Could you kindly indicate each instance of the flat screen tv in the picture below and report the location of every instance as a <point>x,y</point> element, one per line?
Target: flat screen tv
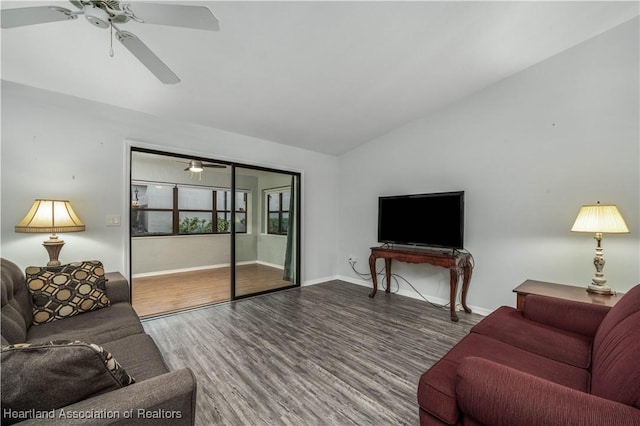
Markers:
<point>432,220</point>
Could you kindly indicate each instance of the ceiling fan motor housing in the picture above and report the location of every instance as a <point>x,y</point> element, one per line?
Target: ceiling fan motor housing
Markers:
<point>96,16</point>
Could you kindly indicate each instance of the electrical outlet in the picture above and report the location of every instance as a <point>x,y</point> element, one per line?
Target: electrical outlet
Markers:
<point>353,259</point>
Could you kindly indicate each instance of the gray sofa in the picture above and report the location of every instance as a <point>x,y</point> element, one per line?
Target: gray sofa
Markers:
<point>158,396</point>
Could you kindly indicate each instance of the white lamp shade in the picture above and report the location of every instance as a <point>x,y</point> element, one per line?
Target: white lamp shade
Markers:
<point>50,216</point>
<point>600,218</point>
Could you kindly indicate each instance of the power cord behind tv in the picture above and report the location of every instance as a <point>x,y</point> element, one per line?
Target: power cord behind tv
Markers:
<point>383,283</point>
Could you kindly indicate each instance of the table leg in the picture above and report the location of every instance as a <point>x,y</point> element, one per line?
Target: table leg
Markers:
<point>453,284</point>
<point>465,286</point>
<point>387,272</point>
<point>374,277</point>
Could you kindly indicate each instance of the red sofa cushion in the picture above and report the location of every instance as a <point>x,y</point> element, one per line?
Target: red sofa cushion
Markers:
<point>509,326</point>
<point>569,315</point>
<point>616,352</point>
<point>437,386</point>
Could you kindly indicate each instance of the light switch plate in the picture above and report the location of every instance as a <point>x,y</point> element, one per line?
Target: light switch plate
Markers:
<point>113,220</point>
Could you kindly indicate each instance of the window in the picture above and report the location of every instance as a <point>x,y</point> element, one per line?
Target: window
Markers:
<point>181,210</point>
<point>151,209</point>
<point>277,202</point>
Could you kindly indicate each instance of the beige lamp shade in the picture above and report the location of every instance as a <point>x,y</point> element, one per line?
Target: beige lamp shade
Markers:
<point>50,216</point>
<point>600,218</point>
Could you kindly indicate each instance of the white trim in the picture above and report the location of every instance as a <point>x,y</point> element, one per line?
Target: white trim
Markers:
<point>319,280</point>
<point>191,269</point>
<point>130,144</point>
<point>271,265</point>
<point>412,294</point>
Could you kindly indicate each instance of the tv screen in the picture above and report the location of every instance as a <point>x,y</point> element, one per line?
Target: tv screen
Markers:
<point>424,220</point>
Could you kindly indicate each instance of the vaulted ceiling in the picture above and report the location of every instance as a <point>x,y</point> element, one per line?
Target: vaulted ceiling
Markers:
<point>324,76</point>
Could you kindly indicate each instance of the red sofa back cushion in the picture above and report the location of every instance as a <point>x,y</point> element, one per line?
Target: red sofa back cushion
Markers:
<point>616,352</point>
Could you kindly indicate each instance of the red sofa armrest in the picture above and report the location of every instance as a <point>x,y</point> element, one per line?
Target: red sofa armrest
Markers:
<point>568,315</point>
<point>493,394</point>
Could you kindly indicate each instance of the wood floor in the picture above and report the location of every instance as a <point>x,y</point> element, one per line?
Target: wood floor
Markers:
<point>167,293</point>
<point>319,355</point>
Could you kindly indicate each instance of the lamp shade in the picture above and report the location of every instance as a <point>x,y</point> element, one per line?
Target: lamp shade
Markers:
<point>50,216</point>
<point>600,218</point>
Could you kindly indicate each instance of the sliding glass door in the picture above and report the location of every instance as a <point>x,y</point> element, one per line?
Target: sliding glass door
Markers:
<point>204,231</point>
<point>266,242</point>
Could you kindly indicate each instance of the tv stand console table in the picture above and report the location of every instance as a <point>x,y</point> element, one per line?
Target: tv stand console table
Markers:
<point>455,262</point>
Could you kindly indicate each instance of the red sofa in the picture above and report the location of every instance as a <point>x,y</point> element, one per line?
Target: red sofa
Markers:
<point>556,362</point>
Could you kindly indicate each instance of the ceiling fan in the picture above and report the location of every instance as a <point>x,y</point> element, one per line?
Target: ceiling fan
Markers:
<point>196,166</point>
<point>112,13</point>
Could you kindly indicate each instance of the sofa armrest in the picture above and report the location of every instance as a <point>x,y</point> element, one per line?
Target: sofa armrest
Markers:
<point>117,288</point>
<point>568,315</point>
<point>166,399</point>
<point>493,394</point>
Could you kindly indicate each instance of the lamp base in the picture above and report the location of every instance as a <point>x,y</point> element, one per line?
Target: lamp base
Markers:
<point>599,289</point>
<point>599,282</point>
<point>53,246</point>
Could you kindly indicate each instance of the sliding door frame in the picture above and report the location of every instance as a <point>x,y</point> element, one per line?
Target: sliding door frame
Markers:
<point>298,227</point>
<point>234,165</point>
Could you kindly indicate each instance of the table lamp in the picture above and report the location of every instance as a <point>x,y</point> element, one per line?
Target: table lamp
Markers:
<point>51,216</point>
<point>599,219</point>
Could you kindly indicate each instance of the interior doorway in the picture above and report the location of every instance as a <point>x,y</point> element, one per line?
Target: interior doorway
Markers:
<point>205,231</point>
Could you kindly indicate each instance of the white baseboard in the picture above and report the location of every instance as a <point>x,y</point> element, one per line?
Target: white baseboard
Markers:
<point>271,265</point>
<point>403,292</point>
<point>412,294</point>
<point>319,280</point>
<point>194,268</point>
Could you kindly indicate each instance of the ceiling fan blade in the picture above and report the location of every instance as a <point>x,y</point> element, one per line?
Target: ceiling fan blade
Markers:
<point>196,17</point>
<point>20,17</point>
<point>147,57</point>
<point>215,166</point>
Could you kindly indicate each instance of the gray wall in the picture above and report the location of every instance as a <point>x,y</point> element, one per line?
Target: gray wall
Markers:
<point>528,151</point>
<point>77,150</point>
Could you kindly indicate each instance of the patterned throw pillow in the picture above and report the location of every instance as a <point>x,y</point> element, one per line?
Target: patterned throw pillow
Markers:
<point>63,291</point>
<point>52,375</point>
<point>119,373</point>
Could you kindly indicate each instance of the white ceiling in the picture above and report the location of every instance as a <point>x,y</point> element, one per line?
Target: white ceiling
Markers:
<point>324,76</point>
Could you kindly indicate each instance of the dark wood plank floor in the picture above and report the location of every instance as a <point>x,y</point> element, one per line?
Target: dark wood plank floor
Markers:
<point>319,355</point>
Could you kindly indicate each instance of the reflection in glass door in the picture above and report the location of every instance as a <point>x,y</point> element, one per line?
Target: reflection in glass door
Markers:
<point>265,242</point>
<point>209,234</point>
<point>180,233</point>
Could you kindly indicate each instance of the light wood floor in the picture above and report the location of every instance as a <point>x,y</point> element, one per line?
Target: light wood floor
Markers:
<point>319,355</point>
<point>167,293</point>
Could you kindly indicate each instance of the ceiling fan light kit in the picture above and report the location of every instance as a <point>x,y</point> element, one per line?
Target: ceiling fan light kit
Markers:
<point>96,16</point>
<point>195,166</point>
<point>105,13</point>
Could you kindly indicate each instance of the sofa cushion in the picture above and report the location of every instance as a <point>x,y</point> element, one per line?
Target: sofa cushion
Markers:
<point>569,315</point>
<point>64,291</point>
<point>139,355</point>
<point>12,325</point>
<point>616,351</point>
<point>104,325</point>
<point>16,303</point>
<point>509,326</point>
<point>47,376</point>
<point>437,386</point>
<point>616,369</point>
